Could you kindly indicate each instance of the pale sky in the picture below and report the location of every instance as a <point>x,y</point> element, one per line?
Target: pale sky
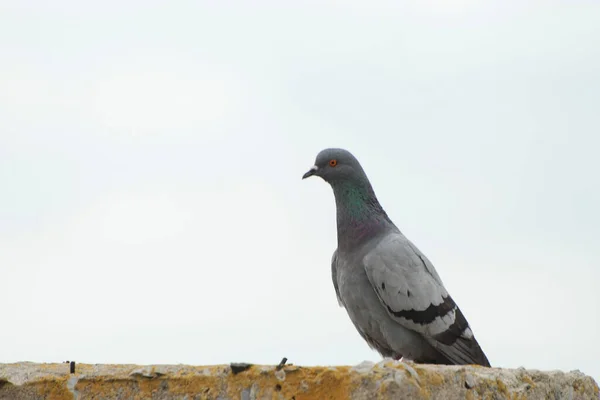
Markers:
<point>151,206</point>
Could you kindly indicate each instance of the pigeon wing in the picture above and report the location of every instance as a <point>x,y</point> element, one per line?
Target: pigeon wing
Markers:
<point>334,277</point>
<point>414,296</point>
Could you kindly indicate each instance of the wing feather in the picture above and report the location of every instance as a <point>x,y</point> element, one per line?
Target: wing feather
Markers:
<point>411,290</point>
<point>334,277</point>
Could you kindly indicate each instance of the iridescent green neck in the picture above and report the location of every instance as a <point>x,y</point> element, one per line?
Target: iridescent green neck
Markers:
<point>359,214</point>
<point>353,200</point>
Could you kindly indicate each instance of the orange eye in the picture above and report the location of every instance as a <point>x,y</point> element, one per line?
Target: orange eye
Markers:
<point>332,163</point>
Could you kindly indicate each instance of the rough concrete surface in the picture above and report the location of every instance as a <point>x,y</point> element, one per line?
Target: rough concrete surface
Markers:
<point>384,380</point>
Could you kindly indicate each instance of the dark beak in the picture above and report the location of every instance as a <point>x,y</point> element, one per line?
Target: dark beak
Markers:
<point>310,172</point>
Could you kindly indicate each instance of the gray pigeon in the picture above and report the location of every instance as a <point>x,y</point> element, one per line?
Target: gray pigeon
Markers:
<point>391,291</point>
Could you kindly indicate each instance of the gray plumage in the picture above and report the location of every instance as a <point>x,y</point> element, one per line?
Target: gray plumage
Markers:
<point>391,291</point>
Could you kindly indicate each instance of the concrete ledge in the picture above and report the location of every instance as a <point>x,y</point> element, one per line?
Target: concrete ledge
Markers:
<point>384,380</point>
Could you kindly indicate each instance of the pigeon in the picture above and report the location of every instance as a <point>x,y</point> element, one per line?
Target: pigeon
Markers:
<point>390,290</point>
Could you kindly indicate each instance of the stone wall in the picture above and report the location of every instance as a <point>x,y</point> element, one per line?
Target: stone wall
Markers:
<point>384,380</point>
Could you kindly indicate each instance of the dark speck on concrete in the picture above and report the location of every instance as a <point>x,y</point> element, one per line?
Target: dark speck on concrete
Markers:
<point>236,368</point>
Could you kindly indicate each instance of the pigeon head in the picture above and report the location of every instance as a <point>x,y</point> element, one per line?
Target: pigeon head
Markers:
<point>360,217</point>
<point>336,166</point>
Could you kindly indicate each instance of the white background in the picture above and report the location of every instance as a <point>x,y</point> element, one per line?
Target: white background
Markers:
<point>151,206</point>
